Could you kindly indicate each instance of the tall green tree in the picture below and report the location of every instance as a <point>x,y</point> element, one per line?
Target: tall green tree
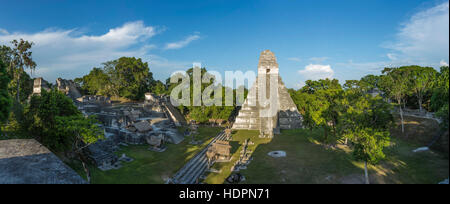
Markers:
<point>322,107</point>
<point>158,88</point>
<point>422,79</point>
<point>95,83</point>
<point>365,121</point>
<point>41,119</point>
<point>125,77</point>
<point>26,83</point>
<point>396,83</point>
<point>5,99</point>
<point>21,59</point>
<point>440,97</point>
<point>134,77</point>
<point>370,82</point>
<point>6,54</point>
<point>203,113</point>
<point>25,87</point>
<point>368,146</point>
<point>79,132</point>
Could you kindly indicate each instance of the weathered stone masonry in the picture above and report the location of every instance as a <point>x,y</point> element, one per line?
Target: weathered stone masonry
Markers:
<point>287,116</point>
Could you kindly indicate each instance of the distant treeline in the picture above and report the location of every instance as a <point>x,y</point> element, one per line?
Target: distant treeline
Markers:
<point>323,102</point>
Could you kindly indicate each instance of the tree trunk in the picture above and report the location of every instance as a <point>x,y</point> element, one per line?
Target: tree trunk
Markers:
<point>334,129</point>
<point>401,117</point>
<point>18,88</point>
<point>86,170</point>
<point>88,175</point>
<point>366,173</point>
<point>420,104</point>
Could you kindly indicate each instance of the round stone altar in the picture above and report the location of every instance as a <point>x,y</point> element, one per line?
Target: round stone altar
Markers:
<point>277,154</point>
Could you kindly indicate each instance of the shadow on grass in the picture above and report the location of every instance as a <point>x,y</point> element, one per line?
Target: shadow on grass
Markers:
<point>151,167</point>
<point>237,141</point>
<point>307,161</point>
<point>402,165</point>
<point>234,147</point>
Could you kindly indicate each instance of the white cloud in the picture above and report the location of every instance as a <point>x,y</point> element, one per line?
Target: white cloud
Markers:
<point>424,38</point>
<point>443,63</point>
<point>317,71</point>
<point>391,56</point>
<point>182,43</point>
<point>67,54</point>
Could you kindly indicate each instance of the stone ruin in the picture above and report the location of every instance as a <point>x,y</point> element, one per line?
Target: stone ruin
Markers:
<point>156,143</point>
<point>216,122</point>
<point>68,87</point>
<point>277,154</point>
<point>38,85</point>
<point>287,116</point>
<point>102,154</point>
<point>130,123</point>
<point>219,151</point>
<point>152,122</point>
<point>245,157</point>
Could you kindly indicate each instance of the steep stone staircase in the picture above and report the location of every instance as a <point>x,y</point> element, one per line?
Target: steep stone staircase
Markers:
<point>195,167</point>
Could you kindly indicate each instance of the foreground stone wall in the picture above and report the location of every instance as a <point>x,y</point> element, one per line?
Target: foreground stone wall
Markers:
<point>26,161</point>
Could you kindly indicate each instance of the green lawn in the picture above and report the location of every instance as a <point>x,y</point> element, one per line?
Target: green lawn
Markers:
<point>309,161</point>
<point>238,139</point>
<point>151,167</point>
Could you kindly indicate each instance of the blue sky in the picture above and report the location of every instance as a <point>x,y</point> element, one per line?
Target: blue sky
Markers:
<point>344,39</point>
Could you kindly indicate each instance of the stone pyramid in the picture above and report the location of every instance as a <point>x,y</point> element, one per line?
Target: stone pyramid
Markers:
<point>276,112</point>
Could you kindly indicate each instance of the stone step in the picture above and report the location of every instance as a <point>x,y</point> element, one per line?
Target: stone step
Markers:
<point>202,169</point>
<point>197,165</point>
<point>193,160</point>
<point>193,167</point>
<point>187,166</point>
<point>190,175</point>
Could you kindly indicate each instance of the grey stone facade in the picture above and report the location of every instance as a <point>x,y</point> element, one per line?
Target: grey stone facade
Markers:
<point>287,116</point>
<point>38,85</point>
<point>68,87</point>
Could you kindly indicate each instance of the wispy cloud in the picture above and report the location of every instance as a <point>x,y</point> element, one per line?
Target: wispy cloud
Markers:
<point>424,38</point>
<point>68,54</point>
<point>182,43</point>
<point>3,31</point>
<point>443,63</point>
<point>365,67</point>
<point>391,56</point>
